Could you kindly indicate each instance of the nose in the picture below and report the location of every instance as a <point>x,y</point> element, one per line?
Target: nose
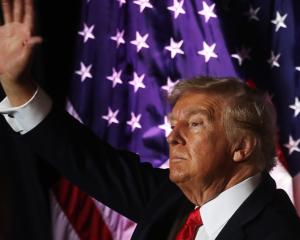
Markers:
<point>176,137</point>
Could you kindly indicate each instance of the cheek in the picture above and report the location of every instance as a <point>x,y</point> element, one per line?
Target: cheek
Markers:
<point>198,150</point>
<point>205,151</point>
<point>201,144</point>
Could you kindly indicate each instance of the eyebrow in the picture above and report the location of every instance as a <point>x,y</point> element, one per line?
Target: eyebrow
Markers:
<point>209,113</point>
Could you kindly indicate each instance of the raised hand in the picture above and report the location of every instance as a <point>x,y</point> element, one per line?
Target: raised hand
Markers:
<point>16,47</point>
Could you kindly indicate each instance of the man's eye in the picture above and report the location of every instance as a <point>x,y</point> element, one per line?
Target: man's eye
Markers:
<point>195,124</point>
<point>172,126</point>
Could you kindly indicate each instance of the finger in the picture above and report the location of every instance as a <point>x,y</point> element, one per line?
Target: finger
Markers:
<point>6,8</point>
<point>29,13</point>
<point>18,10</point>
<point>34,41</point>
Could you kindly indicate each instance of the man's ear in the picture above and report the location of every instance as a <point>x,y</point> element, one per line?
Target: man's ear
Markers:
<point>243,147</point>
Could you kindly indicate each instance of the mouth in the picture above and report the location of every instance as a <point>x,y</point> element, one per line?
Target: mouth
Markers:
<point>177,159</point>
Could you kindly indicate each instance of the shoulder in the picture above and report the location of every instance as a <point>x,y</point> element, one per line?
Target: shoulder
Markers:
<point>277,220</point>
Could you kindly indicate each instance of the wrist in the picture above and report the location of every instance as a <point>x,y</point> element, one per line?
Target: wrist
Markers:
<point>19,92</point>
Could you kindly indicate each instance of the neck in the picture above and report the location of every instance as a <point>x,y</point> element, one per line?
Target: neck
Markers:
<point>200,194</point>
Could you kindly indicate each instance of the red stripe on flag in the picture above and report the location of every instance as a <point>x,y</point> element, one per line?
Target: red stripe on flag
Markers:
<point>251,84</point>
<point>281,156</point>
<point>81,211</point>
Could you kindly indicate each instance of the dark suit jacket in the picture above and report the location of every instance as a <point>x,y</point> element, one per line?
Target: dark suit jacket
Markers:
<point>146,195</point>
<point>24,188</point>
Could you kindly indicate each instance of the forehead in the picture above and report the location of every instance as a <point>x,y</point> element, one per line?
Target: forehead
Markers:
<point>196,102</point>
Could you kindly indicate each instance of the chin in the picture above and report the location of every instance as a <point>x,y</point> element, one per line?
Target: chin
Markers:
<point>177,176</point>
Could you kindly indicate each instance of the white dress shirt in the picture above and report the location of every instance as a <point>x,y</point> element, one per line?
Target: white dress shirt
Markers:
<point>24,118</point>
<point>215,213</point>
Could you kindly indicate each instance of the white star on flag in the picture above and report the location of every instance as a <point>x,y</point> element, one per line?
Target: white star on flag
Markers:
<point>134,122</point>
<point>166,127</point>
<point>140,41</point>
<point>241,55</point>
<point>87,33</point>
<point>174,47</point>
<point>297,68</point>
<point>143,4</point>
<point>207,11</point>
<point>121,2</point>
<point>137,82</point>
<point>252,13</point>
<point>118,37</point>
<point>208,51</point>
<point>169,86</point>
<point>279,21</point>
<point>165,165</point>
<point>111,116</point>
<point>292,145</point>
<point>177,8</point>
<point>115,77</point>
<point>296,107</point>
<point>273,61</point>
<point>84,71</point>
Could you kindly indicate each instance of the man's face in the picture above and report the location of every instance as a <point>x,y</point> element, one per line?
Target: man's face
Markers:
<point>199,150</point>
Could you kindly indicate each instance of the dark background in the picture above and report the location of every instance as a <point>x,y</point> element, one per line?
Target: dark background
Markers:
<point>58,24</point>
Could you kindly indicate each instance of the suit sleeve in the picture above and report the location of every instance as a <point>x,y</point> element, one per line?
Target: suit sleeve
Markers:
<point>114,177</point>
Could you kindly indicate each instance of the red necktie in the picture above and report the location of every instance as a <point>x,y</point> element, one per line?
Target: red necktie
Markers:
<point>189,229</point>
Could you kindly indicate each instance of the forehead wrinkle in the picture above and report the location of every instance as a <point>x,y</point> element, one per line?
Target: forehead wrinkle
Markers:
<point>209,106</point>
<point>207,112</point>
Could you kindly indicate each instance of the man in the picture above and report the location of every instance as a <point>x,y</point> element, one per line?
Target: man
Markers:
<point>221,146</point>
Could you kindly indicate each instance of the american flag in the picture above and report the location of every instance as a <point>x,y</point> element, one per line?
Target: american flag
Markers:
<point>130,53</point>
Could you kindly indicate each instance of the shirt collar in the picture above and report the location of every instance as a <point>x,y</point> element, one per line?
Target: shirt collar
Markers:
<point>216,213</point>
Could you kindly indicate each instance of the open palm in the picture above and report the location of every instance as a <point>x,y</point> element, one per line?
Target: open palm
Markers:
<point>16,40</point>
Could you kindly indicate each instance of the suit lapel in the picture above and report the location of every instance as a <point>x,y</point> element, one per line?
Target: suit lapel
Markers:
<point>249,210</point>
